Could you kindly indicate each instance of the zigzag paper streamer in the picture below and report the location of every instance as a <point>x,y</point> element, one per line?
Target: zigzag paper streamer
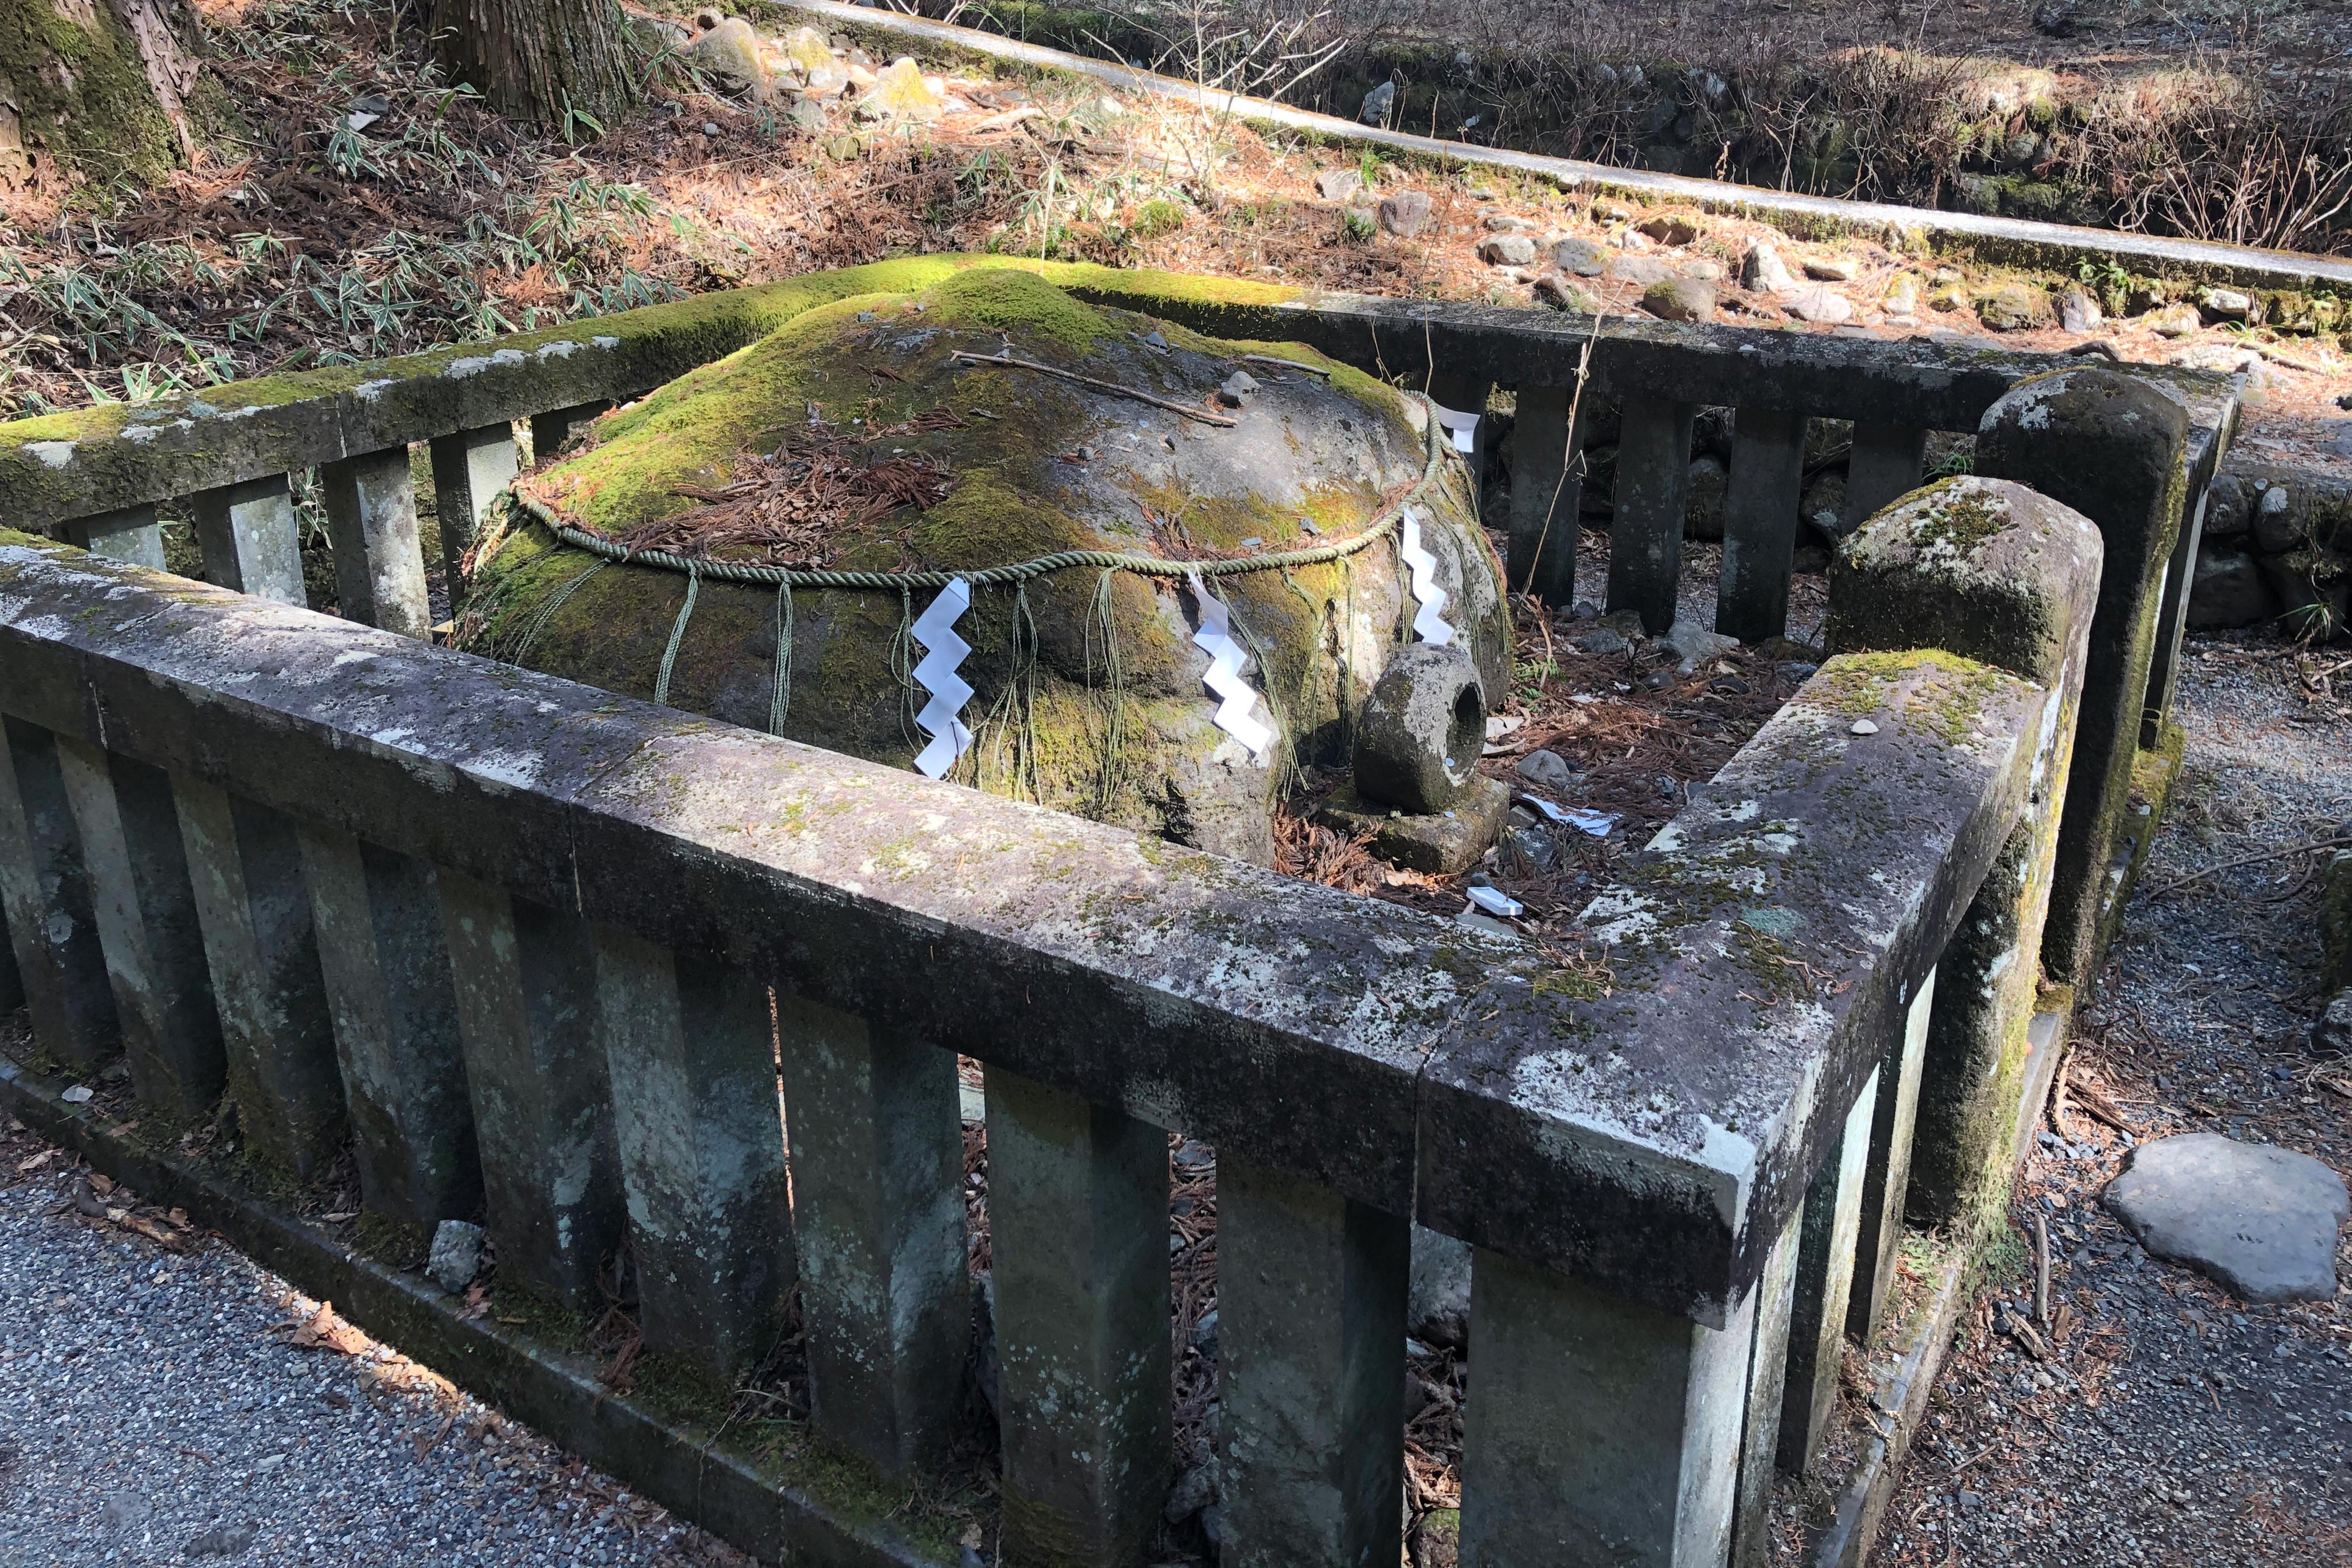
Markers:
<point>943,650</point>
<point>1427,624</point>
<point>1225,675</point>
<point>1462,427</point>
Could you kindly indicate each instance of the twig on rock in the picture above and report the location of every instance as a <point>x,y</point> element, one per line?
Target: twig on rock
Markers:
<point>1189,412</point>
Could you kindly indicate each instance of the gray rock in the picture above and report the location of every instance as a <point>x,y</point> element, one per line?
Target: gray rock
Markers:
<point>1547,771</point>
<point>2224,304</point>
<point>1823,507</point>
<point>1669,228</point>
<point>457,1255</point>
<point>729,55</point>
<point>1604,641</point>
<point>1507,223</point>
<point>2229,590</point>
<point>1437,1306</point>
<point>222,1541</point>
<point>1680,300</point>
<point>1581,256</point>
<point>2276,526</point>
<point>2229,505</point>
<point>1838,269</point>
<point>1423,730</point>
<point>1405,213</point>
<point>1763,270</point>
<point>2078,313</point>
<point>2331,1032</point>
<point>1824,307</point>
<point>1238,389</point>
<point>2014,308</point>
<point>2261,1220</point>
<point>1533,850</point>
<point>1554,290</point>
<point>1507,250</point>
<point>1338,185</point>
<point>1378,104</point>
<point>1694,643</point>
<point>808,114</point>
<point>1642,269</point>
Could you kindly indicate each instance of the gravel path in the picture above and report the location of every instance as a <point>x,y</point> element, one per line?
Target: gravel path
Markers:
<point>158,1408</point>
<point>2174,1425</point>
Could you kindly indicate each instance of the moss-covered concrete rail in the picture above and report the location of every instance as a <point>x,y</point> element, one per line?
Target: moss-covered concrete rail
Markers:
<point>235,836</point>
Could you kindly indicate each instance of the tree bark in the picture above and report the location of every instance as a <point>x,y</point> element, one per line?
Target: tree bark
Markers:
<point>90,91</point>
<point>562,65</point>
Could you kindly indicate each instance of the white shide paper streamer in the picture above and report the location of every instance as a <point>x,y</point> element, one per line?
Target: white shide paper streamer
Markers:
<point>1462,427</point>
<point>1224,677</point>
<point>943,650</point>
<point>1427,624</point>
<point>1596,822</point>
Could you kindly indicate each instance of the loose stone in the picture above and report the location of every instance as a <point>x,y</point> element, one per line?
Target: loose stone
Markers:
<point>1507,250</point>
<point>1405,213</point>
<point>2261,1220</point>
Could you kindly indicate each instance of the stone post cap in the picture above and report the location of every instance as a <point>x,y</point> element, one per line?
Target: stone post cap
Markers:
<point>2089,404</point>
<point>1985,568</point>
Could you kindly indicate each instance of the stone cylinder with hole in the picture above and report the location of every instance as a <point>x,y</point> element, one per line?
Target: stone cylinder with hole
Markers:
<point>1422,731</point>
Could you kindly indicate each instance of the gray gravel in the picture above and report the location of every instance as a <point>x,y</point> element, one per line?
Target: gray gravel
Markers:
<point>154,1410</point>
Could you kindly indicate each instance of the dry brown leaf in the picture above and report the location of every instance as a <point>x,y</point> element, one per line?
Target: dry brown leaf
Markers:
<point>324,1330</point>
<point>37,1162</point>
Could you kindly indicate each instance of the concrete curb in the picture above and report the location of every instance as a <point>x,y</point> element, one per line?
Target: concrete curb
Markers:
<point>555,1393</point>
<point>2016,241</point>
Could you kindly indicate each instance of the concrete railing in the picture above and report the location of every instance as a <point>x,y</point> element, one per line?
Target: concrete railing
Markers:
<point>547,957</point>
<point>96,477</point>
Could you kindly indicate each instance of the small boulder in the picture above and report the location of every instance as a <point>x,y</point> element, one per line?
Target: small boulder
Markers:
<point>1763,270</point>
<point>1405,213</point>
<point>2261,1220</point>
<point>1710,482</point>
<point>2013,308</point>
<point>1669,228</point>
<point>1822,306</point>
<point>1680,300</point>
<point>1507,250</point>
<point>729,55</point>
<point>1603,641</point>
<point>1507,223</point>
<point>1548,771</point>
<point>1558,292</point>
<point>1423,730</point>
<point>1706,269</point>
<point>2278,526</point>
<point>1642,269</point>
<point>804,51</point>
<point>1902,297</point>
<point>2331,1032</point>
<point>1338,185</point>
<point>2078,313</point>
<point>1837,269</point>
<point>1694,644</point>
<point>1378,104</point>
<point>2175,320</point>
<point>1238,389</point>
<point>1606,211</point>
<point>457,1255</point>
<point>1580,257</point>
<point>2224,304</point>
<point>901,93</point>
<point>2229,590</point>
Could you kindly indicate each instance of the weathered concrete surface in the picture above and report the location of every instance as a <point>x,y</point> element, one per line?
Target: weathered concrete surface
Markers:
<point>249,537</point>
<point>1077,1198</point>
<point>1311,1290</point>
<point>1886,1181</point>
<point>469,469</point>
<point>1646,529</point>
<point>1759,523</point>
<point>1342,1040</point>
<point>45,898</point>
<point>371,525</point>
<point>1823,1288</point>
<point>2119,452</point>
<point>525,988</point>
<point>1987,570</point>
<point>2262,1220</point>
<point>1602,1431</point>
<point>146,914</point>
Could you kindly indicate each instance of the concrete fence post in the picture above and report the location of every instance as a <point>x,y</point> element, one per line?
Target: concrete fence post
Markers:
<point>1883,467</point>
<point>45,890</point>
<point>1887,1179</point>
<point>2114,449</point>
<point>1077,1208</point>
<point>1547,495</point>
<point>1824,1282</point>
<point>131,534</point>
<point>469,469</point>
<point>1646,531</point>
<point>250,541</point>
<point>1759,523</point>
<point>1993,572</point>
<point>1767,1384</point>
<point>371,524</point>
<point>245,869</point>
<point>386,971</point>
<point>1597,1429</point>
<point>878,1203</point>
<point>691,1052</point>
<point>524,979</point>
<point>2172,623</point>
<point>1311,1293</point>
<point>146,914</point>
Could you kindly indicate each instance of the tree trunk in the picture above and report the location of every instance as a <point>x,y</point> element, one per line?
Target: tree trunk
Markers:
<point>563,65</point>
<point>90,91</point>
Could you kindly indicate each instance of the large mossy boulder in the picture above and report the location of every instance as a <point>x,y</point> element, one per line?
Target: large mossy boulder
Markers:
<point>852,440</point>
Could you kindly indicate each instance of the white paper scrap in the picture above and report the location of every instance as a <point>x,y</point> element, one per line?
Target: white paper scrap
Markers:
<point>935,629</point>
<point>1496,902</point>
<point>1596,822</point>
<point>1225,674</point>
<point>1427,624</point>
